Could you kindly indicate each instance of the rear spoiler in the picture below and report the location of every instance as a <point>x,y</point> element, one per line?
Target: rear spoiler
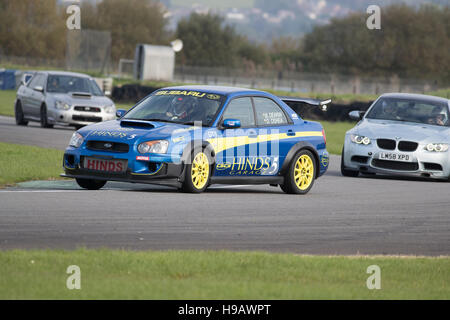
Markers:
<point>322,104</point>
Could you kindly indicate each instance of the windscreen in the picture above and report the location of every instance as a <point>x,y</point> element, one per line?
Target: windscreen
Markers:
<point>410,110</point>
<point>66,84</point>
<point>178,106</point>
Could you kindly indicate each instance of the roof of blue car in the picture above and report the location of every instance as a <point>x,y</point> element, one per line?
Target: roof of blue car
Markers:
<point>213,89</point>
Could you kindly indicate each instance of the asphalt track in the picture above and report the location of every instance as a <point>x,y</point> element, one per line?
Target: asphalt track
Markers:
<point>365,215</point>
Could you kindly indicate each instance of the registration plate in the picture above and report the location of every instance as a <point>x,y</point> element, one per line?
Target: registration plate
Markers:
<point>394,156</point>
<point>105,165</point>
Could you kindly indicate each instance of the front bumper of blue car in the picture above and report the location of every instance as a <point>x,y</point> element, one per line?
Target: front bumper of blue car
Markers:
<point>137,168</point>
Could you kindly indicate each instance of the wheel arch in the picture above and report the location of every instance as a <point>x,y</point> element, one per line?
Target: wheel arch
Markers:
<point>191,146</point>
<point>302,145</point>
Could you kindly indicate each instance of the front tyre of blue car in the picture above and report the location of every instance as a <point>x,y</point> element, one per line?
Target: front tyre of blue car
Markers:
<point>197,172</point>
<point>91,184</point>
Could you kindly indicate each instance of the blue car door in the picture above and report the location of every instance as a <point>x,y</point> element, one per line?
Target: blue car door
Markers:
<point>276,134</point>
<point>233,148</point>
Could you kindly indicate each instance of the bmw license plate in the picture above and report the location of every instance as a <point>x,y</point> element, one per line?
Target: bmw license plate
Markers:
<point>394,156</point>
<point>115,166</point>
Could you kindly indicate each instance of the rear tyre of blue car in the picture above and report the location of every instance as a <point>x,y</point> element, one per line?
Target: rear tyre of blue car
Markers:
<point>346,172</point>
<point>91,184</point>
<point>301,174</point>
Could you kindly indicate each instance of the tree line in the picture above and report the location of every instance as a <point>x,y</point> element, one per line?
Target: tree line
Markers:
<point>412,42</point>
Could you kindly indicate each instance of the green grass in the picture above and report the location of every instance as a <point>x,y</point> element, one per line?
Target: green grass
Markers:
<point>23,163</point>
<point>7,98</point>
<point>114,274</point>
<point>335,132</point>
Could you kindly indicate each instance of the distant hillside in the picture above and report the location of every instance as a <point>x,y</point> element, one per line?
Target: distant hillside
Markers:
<point>262,20</point>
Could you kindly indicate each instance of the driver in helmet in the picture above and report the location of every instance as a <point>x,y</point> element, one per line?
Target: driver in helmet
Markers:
<point>181,108</point>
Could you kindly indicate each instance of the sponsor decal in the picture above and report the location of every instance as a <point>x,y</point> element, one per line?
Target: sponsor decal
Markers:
<point>294,116</point>
<point>325,160</point>
<point>213,96</point>
<point>178,139</point>
<point>105,133</point>
<point>250,166</point>
<point>143,158</point>
<point>132,136</point>
<point>181,92</point>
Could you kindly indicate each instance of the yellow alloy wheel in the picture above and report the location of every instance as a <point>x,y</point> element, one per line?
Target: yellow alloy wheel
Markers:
<point>200,170</point>
<point>304,172</point>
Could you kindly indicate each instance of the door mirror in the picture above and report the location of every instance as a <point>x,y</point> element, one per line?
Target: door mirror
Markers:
<point>120,113</point>
<point>39,88</point>
<point>356,115</point>
<point>231,123</point>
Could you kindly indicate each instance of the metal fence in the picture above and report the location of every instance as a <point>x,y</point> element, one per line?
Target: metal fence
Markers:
<point>303,82</point>
<point>294,82</point>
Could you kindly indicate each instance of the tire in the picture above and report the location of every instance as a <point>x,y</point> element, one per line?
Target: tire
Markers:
<point>44,118</point>
<point>346,172</point>
<point>18,113</point>
<point>91,184</point>
<point>301,173</point>
<point>197,172</point>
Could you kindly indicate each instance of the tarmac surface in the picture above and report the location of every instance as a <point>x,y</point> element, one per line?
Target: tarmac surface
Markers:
<point>364,215</point>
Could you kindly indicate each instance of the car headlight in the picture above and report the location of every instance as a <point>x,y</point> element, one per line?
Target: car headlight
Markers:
<point>110,109</point>
<point>62,105</point>
<point>437,147</point>
<point>359,139</point>
<point>76,140</point>
<point>156,146</point>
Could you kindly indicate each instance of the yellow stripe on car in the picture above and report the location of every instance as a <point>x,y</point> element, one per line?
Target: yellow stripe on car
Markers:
<point>224,143</point>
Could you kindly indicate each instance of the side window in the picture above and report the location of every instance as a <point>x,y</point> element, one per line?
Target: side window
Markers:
<point>268,112</point>
<point>241,109</point>
<point>35,81</point>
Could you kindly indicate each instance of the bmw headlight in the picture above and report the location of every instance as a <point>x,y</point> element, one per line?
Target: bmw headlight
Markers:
<point>62,105</point>
<point>156,146</point>
<point>76,140</point>
<point>359,139</point>
<point>110,109</point>
<point>436,147</point>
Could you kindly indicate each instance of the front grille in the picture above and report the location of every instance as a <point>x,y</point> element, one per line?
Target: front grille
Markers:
<point>407,146</point>
<point>432,166</point>
<point>87,109</point>
<point>360,159</point>
<point>107,146</point>
<point>87,118</point>
<point>387,144</point>
<point>395,165</point>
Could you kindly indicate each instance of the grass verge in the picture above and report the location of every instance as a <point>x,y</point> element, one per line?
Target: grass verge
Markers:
<point>114,274</point>
<point>23,163</point>
<point>7,98</point>
<point>335,132</point>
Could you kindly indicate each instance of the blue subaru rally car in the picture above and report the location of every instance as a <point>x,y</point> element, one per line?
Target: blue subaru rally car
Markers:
<point>191,137</point>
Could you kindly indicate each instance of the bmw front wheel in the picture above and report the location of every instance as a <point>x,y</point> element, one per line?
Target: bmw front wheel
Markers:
<point>347,172</point>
